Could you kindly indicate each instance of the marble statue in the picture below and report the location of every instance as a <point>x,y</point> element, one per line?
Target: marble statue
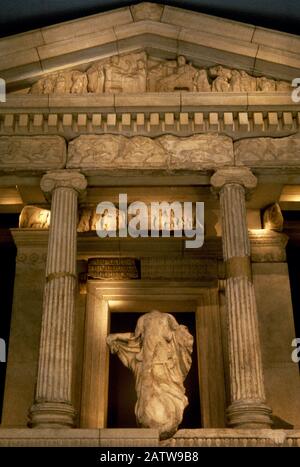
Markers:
<point>158,353</point>
<point>273,218</point>
<point>138,73</point>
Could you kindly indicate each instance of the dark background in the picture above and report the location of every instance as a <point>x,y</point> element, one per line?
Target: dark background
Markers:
<point>23,15</point>
<point>7,274</point>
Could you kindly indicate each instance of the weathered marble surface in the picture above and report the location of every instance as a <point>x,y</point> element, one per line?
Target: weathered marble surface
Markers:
<point>165,152</point>
<point>248,407</point>
<point>53,405</point>
<point>136,73</point>
<point>34,152</point>
<point>268,152</point>
<point>32,217</point>
<point>273,218</point>
<point>147,10</point>
<point>109,151</point>
<point>159,355</point>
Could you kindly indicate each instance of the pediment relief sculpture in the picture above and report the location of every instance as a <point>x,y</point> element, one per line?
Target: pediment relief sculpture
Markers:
<point>138,73</point>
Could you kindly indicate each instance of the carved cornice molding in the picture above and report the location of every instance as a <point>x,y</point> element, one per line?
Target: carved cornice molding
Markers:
<point>151,114</point>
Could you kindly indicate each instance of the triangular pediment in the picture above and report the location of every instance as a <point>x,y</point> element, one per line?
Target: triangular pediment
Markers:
<point>148,39</point>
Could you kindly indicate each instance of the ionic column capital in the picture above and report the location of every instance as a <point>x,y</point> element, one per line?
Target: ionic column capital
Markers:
<point>233,175</point>
<point>63,179</point>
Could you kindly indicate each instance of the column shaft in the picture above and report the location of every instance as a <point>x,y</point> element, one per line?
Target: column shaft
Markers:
<point>247,409</point>
<point>53,405</point>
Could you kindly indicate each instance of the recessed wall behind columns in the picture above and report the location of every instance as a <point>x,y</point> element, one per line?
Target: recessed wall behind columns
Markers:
<point>26,328</point>
<point>25,331</point>
<point>276,325</point>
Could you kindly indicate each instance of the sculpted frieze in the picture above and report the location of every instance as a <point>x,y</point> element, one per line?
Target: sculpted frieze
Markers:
<point>32,153</point>
<point>139,152</point>
<point>138,73</point>
<point>197,151</point>
<point>268,152</point>
<point>109,151</point>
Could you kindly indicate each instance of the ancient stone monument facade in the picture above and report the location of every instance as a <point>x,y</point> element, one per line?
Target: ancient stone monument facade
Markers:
<point>164,105</point>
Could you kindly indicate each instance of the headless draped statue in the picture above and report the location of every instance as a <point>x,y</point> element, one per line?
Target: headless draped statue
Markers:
<point>159,355</point>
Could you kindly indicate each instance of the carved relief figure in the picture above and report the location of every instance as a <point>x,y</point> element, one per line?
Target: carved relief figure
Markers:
<point>235,82</point>
<point>201,83</point>
<point>62,84</point>
<point>96,78</point>
<point>159,71</point>
<point>266,85</point>
<point>33,217</point>
<point>158,353</point>
<point>125,74</point>
<point>222,77</point>
<point>84,219</point>
<point>165,152</point>
<point>248,83</point>
<point>141,78</point>
<point>35,152</point>
<point>79,85</point>
<point>181,79</point>
<point>113,75</point>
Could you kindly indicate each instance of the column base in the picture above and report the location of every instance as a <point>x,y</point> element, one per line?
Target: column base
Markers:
<point>51,415</point>
<point>249,414</point>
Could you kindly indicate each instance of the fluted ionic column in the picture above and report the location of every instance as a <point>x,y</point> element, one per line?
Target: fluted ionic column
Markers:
<point>53,405</point>
<point>248,408</point>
